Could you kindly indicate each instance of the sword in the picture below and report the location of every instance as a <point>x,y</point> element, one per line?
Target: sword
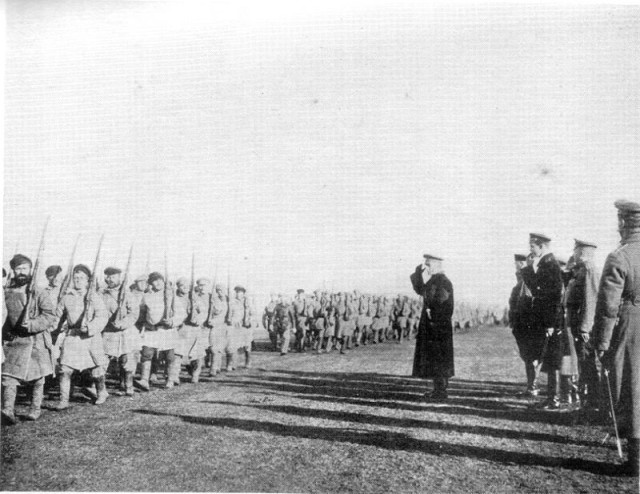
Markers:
<point>613,412</point>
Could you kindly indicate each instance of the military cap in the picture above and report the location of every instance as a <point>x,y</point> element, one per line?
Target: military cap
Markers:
<point>520,257</point>
<point>182,281</point>
<point>19,260</point>
<point>155,276</point>
<point>627,207</point>
<point>435,258</point>
<point>239,289</point>
<point>541,237</point>
<point>203,281</point>
<point>300,290</point>
<point>53,270</point>
<point>111,271</point>
<point>219,286</point>
<point>142,277</point>
<point>584,243</point>
<point>82,268</point>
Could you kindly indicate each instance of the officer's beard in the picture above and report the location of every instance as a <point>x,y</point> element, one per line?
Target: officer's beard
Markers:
<point>21,280</point>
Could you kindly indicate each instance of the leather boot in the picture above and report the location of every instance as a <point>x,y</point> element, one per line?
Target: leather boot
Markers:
<point>231,361</point>
<point>101,388</point>
<point>247,359</point>
<point>128,379</point>
<point>197,369</point>
<point>143,382</point>
<point>36,400</point>
<point>552,402</point>
<point>632,465</point>
<point>173,372</point>
<point>9,393</point>
<point>215,364</point>
<point>65,389</point>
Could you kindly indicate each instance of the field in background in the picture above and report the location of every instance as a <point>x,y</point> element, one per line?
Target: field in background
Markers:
<point>321,423</point>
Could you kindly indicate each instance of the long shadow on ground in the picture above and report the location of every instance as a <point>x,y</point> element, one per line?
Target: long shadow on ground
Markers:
<point>395,441</point>
<point>363,418</point>
<point>357,393</point>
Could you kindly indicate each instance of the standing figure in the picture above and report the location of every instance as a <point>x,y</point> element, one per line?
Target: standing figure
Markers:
<point>218,334</point>
<point>284,323</point>
<point>580,300</point>
<point>433,357</point>
<point>82,348</point>
<point>520,303</point>
<point>268,319</point>
<point>121,337</point>
<point>616,329</point>
<point>543,278</point>
<point>27,356</point>
<point>300,308</point>
<point>239,323</point>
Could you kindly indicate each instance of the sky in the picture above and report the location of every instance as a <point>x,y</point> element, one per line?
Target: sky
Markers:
<point>318,144</point>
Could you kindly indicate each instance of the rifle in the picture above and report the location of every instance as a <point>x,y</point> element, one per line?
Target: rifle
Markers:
<point>89,309</point>
<point>211,298</point>
<point>122,293</point>
<point>168,294</point>
<point>613,411</point>
<point>228,316</point>
<point>192,290</point>
<point>66,281</point>
<point>31,305</point>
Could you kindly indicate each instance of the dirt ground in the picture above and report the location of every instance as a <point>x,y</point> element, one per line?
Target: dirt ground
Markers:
<point>321,423</point>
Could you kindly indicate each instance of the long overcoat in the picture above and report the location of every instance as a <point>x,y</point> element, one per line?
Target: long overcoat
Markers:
<point>433,356</point>
<point>27,353</point>
<point>616,330</point>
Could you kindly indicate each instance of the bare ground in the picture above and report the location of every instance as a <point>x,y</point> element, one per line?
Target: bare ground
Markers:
<point>321,423</point>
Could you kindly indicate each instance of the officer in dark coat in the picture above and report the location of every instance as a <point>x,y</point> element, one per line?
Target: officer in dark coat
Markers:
<point>520,303</point>
<point>433,357</point>
<point>543,277</point>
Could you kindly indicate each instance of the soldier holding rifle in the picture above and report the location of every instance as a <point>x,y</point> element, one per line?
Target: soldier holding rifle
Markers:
<point>616,329</point>
<point>26,339</point>
<point>121,338</point>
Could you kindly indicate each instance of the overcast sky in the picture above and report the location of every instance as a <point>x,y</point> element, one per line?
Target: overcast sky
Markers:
<point>314,144</point>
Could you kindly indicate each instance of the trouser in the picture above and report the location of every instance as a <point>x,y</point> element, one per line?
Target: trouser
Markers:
<point>65,373</point>
<point>286,338</point>
<point>273,336</point>
<point>301,337</point>
<point>590,372</point>
<point>532,376</point>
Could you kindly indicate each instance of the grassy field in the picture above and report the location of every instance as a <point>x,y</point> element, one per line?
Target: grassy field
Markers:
<point>321,423</point>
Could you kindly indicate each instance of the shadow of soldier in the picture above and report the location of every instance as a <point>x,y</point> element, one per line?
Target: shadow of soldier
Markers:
<point>395,441</point>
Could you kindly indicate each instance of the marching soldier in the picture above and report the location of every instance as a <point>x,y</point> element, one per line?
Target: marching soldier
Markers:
<point>581,295</point>
<point>241,333</point>
<point>300,308</point>
<point>543,277</point>
<point>267,320</point>
<point>616,329</point>
<point>195,334</point>
<point>185,336</point>
<point>363,318</point>
<point>433,357</point>
<point>52,273</point>
<point>82,348</point>
<point>27,342</point>
<point>159,334</point>
<point>218,334</point>
<point>120,337</point>
<point>379,319</point>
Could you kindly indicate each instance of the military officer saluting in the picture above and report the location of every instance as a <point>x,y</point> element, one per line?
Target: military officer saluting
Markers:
<point>434,342</point>
<point>616,329</point>
<point>27,342</point>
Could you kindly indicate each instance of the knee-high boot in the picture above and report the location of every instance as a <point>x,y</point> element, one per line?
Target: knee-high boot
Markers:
<point>65,390</point>
<point>37,394</point>
<point>9,393</point>
<point>145,372</point>
<point>101,388</point>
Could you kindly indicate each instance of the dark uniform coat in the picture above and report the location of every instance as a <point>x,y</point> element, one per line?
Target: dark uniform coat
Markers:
<point>434,342</point>
<point>616,330</point>
<point>546,288</point>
